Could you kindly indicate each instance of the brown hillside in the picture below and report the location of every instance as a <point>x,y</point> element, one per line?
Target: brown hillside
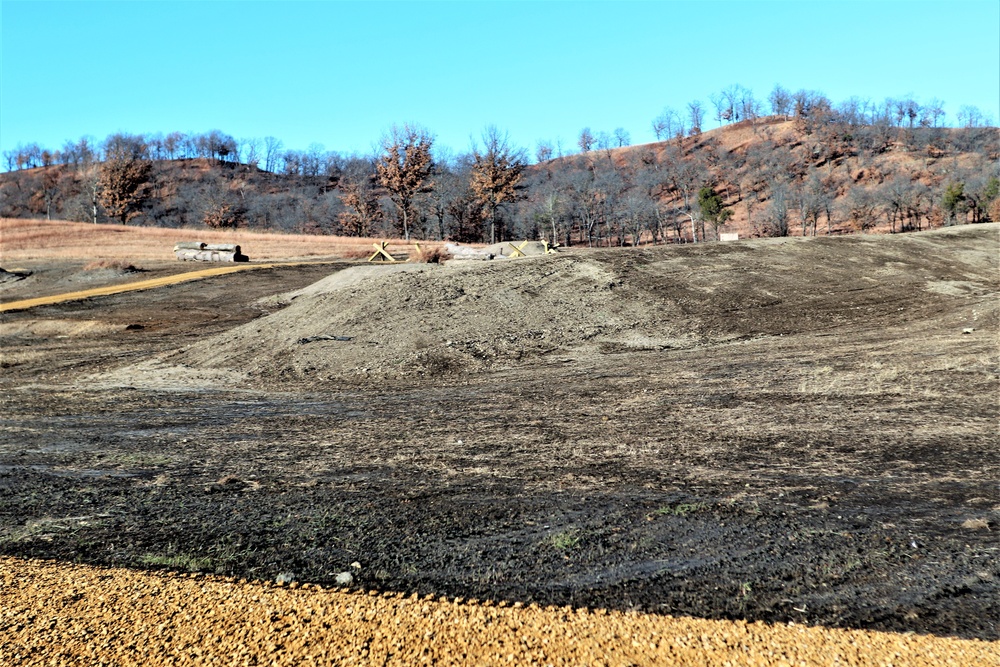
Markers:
<point>746,162</point>
<point>775,177</point>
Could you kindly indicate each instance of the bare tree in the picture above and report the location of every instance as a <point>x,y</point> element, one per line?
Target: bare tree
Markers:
<point>250,152</point>
<point>931,113</point>
<point>970,116</point>
<point>781,102</point>
<point>91,183</point>
<point>861,208</point>
<point>665,125</point>
<point>723,111</point>
<point>659,127</point>
<point>749,105</point>
<point>497,167</point>
<point>403,168</point>
<point>622,137</point>
<point>48,192</point>
<point>544,151</point>
<point>173,144</point>
<point>696,113</point>
<point>272,153</point>
<point>731,94</point>
<point>586,140</point>
<point>313,160</point>
<point>604,143</point>
<point>776,216</point>
<point>811,200</point>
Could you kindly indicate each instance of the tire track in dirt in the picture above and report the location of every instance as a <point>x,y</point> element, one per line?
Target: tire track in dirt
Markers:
<point>72,614</point>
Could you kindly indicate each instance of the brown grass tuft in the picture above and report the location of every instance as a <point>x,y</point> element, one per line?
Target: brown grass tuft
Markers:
<point>433,255</point>
<point>113,265</point>
<point>356,253</point>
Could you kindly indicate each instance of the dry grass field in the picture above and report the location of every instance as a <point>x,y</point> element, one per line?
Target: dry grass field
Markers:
<point>42,240</point>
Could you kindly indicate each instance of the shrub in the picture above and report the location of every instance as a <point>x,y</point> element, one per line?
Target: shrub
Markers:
<point>113,265</point>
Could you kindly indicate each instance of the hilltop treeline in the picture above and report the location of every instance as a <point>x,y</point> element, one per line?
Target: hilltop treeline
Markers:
<point>808,167</point>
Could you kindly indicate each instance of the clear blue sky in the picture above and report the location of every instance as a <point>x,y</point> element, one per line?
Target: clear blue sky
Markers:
<point>341,73</point>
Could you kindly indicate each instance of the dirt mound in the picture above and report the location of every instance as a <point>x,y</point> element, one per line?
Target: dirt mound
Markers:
<point>471,317</point>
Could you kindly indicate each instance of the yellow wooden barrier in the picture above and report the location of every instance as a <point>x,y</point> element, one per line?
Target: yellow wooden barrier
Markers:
<point>518,250</point>
<point>381,251</point>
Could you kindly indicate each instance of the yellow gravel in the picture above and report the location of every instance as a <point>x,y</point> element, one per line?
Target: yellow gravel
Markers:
<point>57,614</point>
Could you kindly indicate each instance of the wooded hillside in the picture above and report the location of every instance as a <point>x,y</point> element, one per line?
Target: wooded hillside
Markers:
<point>811,172</point>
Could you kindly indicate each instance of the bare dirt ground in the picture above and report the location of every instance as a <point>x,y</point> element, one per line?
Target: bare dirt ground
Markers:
<point>794,430</point>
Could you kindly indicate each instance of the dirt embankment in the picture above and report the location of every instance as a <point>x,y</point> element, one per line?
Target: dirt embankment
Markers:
<point>432,320</point>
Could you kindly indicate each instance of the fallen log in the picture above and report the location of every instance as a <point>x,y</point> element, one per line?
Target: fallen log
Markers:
<point>189,245</point>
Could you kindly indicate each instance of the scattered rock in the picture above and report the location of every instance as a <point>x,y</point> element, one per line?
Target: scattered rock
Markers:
<point>285,578</point>
<point>344,579</point>
<point>976,524</point>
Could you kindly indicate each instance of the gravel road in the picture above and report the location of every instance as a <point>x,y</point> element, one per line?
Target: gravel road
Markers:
<point>57,614</point>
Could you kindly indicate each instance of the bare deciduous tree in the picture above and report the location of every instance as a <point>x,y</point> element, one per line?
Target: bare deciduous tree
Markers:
<point>272,153</point>
<point>860,208</point>
<point>696,113</point>
<point>544,151</point>
<point>665,125</point>
<point>250,152</point>
<point>781,102</point>
<point>931,113</point>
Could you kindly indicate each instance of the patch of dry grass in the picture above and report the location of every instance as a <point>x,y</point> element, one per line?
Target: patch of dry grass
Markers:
<point>112,265</point>
<point>429,255</point>
<point>62,240</point>
<point>357,253</point>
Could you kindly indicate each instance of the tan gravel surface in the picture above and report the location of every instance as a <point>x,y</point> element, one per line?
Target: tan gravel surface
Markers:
<point>57,614</point>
